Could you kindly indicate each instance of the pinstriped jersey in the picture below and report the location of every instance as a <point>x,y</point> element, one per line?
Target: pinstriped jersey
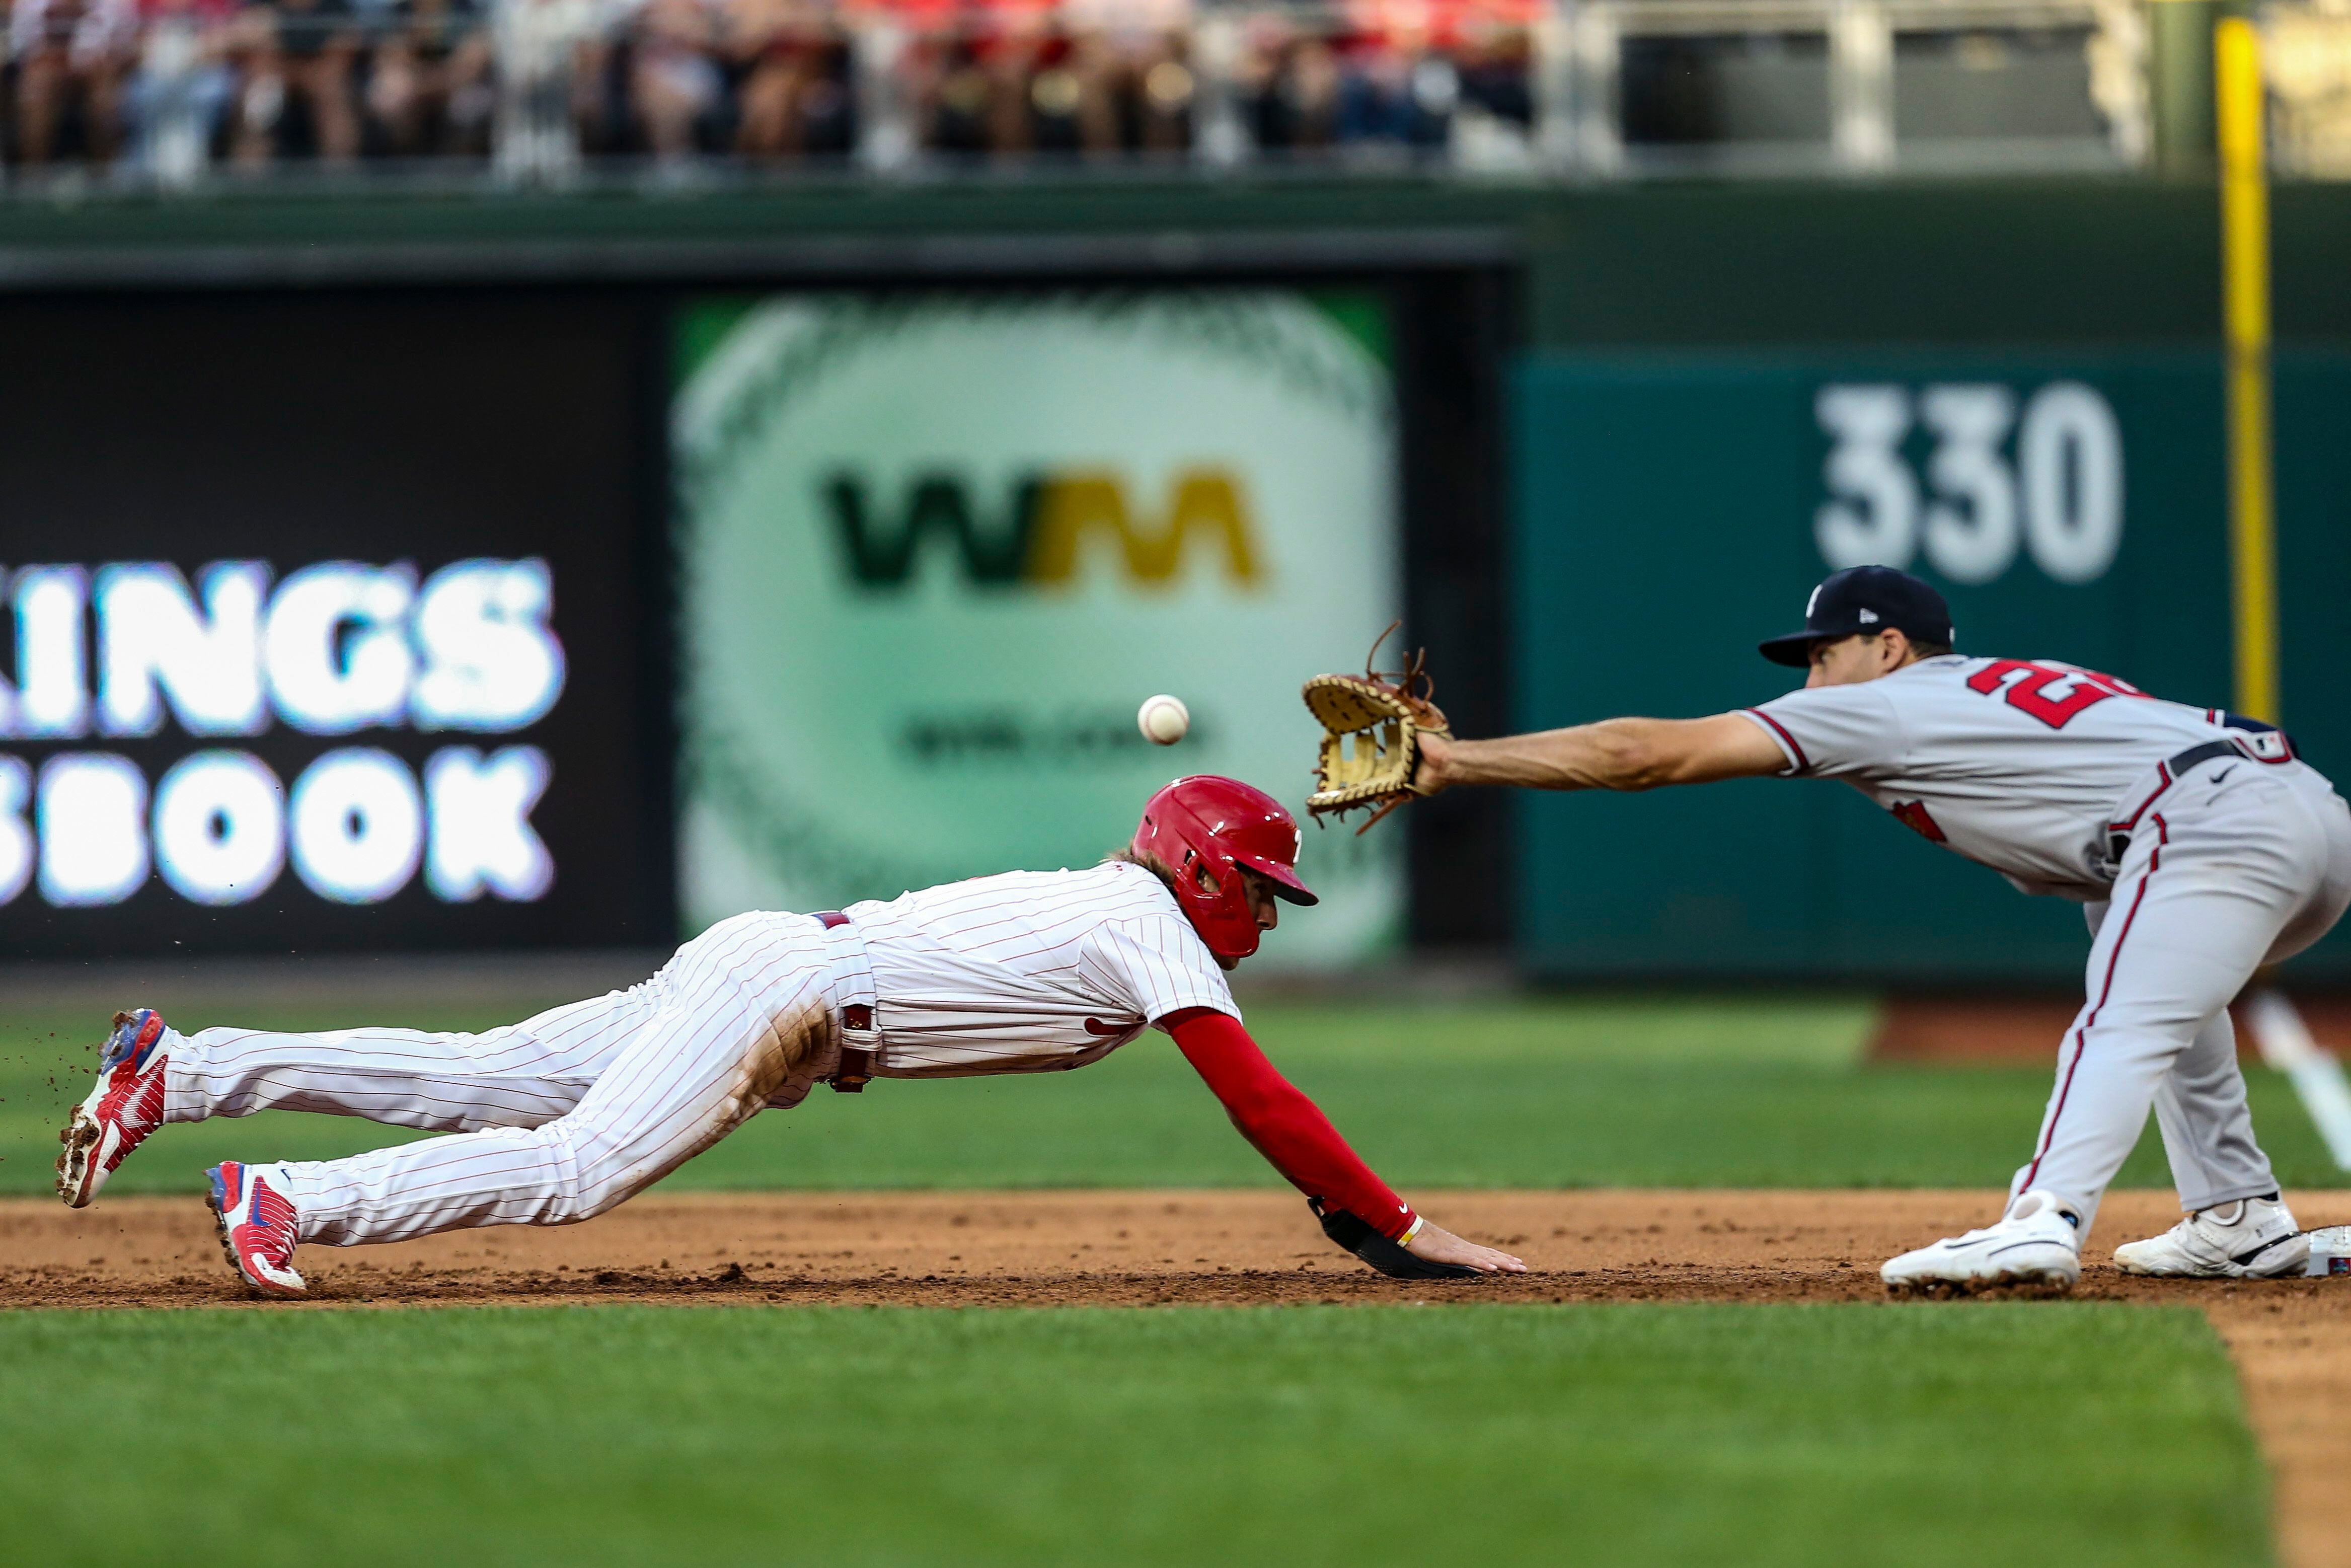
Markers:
<point>2017,764</point>
<point>1030,971</point>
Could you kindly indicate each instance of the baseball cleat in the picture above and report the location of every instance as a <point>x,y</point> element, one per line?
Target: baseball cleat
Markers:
<point>259,1229</point>
<point>124,1107</point>
<point>2037,1242</point>
<point>2253,1238</point>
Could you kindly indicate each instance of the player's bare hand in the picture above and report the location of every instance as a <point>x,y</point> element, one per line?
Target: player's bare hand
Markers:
<point>1439,1245</point>
<point>1433,773</point>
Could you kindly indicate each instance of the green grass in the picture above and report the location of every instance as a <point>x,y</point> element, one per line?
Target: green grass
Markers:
<point>1739,1093</point>
<point>1805,1435</point>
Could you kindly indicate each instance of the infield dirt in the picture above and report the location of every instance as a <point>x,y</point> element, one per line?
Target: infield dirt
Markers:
<point>2292,1339</point>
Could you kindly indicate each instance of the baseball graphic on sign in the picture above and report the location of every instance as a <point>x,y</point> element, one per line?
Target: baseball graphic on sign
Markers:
<point>1164,720</point>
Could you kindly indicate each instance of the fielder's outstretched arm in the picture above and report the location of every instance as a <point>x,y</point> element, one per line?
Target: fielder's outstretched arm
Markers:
<point>1614,754</point>
<point>1290,1131</point>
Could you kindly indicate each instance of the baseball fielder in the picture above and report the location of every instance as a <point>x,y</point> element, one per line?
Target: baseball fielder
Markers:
<point>2199,846</point>
<point>561,1117</point>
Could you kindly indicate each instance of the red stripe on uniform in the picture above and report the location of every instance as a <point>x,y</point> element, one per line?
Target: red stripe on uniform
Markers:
<point>2163,781</point>
<point>1781,730</point>
<point>2080,1035</point>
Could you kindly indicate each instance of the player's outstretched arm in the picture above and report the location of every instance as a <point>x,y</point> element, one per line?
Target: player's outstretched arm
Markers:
<point>1290,1131</point>
<point>1614,754</point>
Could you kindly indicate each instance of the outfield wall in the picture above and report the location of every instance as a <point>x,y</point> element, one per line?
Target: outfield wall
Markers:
<point>2071,504</point>
<point>2015,391</point>
<point>1617,412</point>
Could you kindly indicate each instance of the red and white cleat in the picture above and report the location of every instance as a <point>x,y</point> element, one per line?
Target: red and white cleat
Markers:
<point>259,1229</point>
<point>124,1107</point>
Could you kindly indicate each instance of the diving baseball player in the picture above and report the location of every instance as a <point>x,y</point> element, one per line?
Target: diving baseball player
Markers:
<point>561,1117</point>
<point>2201,847</point>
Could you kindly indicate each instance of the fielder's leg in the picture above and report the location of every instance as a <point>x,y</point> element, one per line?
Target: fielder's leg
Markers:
<point>2238,1225</point>
<point>2208,1128</point>
<point>2208,890</point>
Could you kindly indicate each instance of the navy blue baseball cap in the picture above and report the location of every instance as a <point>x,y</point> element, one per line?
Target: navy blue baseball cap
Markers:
<point>1863,598</point>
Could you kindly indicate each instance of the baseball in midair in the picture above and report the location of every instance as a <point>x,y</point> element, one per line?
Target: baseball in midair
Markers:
<point>1162,719</point>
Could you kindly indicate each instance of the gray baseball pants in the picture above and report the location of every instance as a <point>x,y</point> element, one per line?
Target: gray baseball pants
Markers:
<point>2240,863</point>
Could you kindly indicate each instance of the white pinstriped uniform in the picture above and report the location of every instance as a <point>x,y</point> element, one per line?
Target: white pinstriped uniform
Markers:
<point>563,1115</point>
<point>2031,768</point>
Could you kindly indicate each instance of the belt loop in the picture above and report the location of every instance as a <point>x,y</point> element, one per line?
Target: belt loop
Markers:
<point>851,984</point>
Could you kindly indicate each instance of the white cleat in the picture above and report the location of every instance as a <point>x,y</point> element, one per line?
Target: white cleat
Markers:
<point>2037,1242</point>
<point>2253,1238</point>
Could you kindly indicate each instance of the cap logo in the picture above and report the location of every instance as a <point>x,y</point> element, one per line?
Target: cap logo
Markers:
<point>1812,604</point>
<point>1869,617</point>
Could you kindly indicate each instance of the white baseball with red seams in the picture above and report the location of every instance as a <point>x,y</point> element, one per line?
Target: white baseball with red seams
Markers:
<point>1164,720</point>
<point>563,1115</point>
<point>2036,769</point>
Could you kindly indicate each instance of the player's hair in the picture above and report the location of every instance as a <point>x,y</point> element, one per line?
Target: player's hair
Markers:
<point>1158,868</point>
<point>1922,649</point>
<point>1151,864</point>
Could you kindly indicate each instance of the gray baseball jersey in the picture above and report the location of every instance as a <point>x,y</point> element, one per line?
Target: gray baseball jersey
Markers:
<point>2019,765</point>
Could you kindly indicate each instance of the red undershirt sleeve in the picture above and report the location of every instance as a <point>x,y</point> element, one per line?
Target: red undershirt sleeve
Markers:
<point>1286,1127</point>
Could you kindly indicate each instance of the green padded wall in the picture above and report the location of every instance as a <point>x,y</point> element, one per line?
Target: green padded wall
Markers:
<point>1666,520</point>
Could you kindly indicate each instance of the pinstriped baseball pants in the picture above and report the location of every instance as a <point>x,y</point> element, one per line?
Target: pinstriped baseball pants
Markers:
<point>2235,868</point>
<point>555,1119</point>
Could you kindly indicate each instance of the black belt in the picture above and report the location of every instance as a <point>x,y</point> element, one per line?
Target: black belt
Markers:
<point>856,1069</point>
<point>2118,834</point>
<point>2196,756</point>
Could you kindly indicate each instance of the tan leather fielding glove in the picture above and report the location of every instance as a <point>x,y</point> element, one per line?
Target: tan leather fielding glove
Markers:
<point>1370,746</point>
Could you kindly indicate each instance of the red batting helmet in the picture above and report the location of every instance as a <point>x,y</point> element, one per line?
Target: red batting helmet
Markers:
<point>1204,827</point>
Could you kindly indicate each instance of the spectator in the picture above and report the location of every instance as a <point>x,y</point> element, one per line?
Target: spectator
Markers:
<point>958,98</point>
<point>72,56</point>
<point>1018,45</point>
<point>1396,88</point>
<point>1134,88</point>
<point>1291,79</point>
<point>793,95</point>
<point>771,79</point>
<point>674,85</point>
<point>600,76</point>
<point>299,97</point>
<point>178,98</point>
<point>429,84</point>
<point>1496,68</point>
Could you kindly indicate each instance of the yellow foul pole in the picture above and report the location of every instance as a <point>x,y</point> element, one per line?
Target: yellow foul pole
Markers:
<point>2245,311</point>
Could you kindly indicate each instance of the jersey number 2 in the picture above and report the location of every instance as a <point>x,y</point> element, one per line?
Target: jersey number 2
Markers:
<point>2029,691</point>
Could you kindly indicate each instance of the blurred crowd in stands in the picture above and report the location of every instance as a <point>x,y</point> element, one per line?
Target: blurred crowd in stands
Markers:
<point>251,83</point>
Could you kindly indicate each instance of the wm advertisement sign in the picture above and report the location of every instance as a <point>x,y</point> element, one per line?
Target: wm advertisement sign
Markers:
<point>1047,519</point>
<point>935,550</point>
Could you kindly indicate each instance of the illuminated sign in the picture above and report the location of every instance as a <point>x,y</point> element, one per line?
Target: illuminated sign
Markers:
<point>132,650</point>
<point>1049,516</point>
<point>961,537</point>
